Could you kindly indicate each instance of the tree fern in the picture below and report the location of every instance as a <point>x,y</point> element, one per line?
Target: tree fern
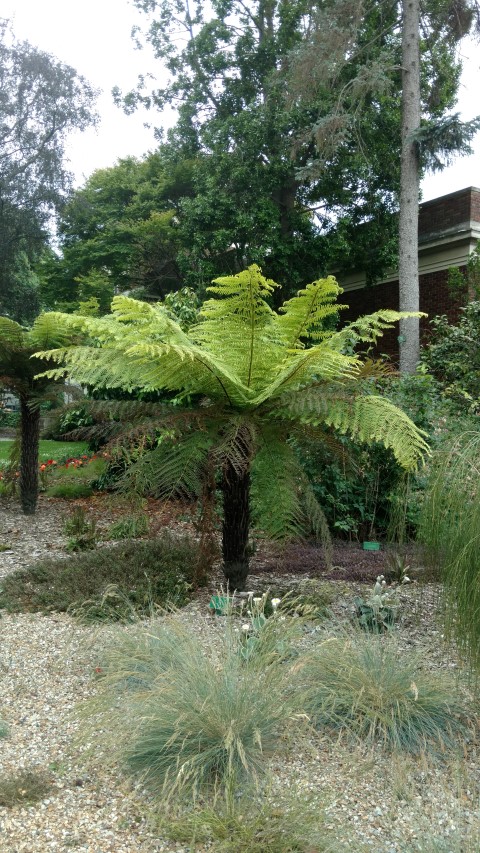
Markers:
<point>260,376</point>
<point>19,367</point>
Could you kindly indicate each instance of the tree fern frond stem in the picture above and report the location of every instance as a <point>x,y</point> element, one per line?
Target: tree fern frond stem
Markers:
<point>252,335</point>
<point>217,378</point>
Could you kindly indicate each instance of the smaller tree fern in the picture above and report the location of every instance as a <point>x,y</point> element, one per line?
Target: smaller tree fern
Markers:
<point>260,378</point>
<point>18,374</point>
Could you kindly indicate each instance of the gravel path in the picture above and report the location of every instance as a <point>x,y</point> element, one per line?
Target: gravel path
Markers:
<point>47,670</point>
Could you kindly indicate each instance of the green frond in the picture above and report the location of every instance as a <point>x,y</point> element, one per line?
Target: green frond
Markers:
<point>12,336</point>
<point>240,328</point>
<point>319,362</point>
<point>175,467</point>
<point>276,489</point>
<point>317,520</point>
<point>304,315</point>
<point>311,405</point>
<point>246,288</point>
<point>369,328</point>
<point>372,418</point>
<point>154,320</point>
<point>238,438</point>
<point>49,331</point>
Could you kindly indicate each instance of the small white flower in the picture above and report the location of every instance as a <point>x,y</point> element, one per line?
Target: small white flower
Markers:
<point>384,583</point>
<point>250,594</point>
<point>257,600</point>
<point>406,579</point>
<point>275,602</point>
<point>246,627</point>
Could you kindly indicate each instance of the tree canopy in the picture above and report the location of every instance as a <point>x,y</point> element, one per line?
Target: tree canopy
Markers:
<point>118,233</point>
<point>41,101</point>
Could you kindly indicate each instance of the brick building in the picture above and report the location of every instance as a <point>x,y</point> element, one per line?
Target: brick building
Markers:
<point>448,231</point>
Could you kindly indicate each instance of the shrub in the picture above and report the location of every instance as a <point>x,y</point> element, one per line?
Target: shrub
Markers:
<point>453,356</point>
<point>191,721</point>
<point>9,419</point>
<point>129,527</point>
<point>69,491</point>
<point>144,574</point>
<point>28,786</point>
<point>450,530</point>
<point>368,687</point>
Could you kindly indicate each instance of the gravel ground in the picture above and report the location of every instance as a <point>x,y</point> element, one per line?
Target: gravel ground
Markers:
<point>47,670</point>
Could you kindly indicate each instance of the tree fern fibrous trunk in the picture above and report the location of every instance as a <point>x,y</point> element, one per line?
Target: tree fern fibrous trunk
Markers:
<point>409,188</point>
<point>29,443</point>
<point>236,526</point>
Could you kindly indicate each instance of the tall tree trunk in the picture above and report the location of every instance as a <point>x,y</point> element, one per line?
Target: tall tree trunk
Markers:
<point>29,443</point>
<point>236,526</point>
<point>409,188</point>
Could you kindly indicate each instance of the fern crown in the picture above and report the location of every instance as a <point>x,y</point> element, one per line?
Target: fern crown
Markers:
<point>243,356</point>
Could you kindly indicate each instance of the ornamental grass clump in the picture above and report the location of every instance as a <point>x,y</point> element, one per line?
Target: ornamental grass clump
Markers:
<point>193,719</point>
<point>287,822</point>
<point>366,686</point>
<point>450,531</point>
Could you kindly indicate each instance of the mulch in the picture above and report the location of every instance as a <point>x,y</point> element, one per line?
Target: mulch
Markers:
<point>350,562</point>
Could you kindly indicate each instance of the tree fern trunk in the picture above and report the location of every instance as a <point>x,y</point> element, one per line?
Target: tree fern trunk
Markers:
<point>236,526</point>
<point>30,438</point>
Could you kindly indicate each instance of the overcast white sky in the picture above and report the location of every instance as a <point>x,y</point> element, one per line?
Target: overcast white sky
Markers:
<point>93,36</point>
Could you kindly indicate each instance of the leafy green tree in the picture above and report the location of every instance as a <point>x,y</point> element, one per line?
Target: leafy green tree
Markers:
<point>118,233</point>
<point>18,374</point>
<point>260,378</point>
<point>292,113</point>
<point>41,101</point>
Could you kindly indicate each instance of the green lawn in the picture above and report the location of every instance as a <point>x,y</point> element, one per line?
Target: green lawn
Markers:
<point>58,450</point>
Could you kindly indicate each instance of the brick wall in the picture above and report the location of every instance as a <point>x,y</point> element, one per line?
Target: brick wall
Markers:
<point>449,211</point>
<point>456,210</point>
<point>435,298</point>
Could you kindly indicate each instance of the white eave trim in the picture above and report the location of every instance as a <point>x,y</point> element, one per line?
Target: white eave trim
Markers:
<point>450,249</point>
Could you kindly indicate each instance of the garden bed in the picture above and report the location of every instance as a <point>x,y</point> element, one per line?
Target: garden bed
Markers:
<point>48,670</point>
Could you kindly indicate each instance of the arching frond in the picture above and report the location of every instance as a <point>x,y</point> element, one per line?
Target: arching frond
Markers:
<point>304,315</point>
<point>49,331</point>
<point>154,320</point>
<point>372,418</point>
<point>312,404</point>
<point>369,328</point>
<point>175,467</point>
<point>12,336</point>
<point>316,363</point>
<point>276,489</point>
